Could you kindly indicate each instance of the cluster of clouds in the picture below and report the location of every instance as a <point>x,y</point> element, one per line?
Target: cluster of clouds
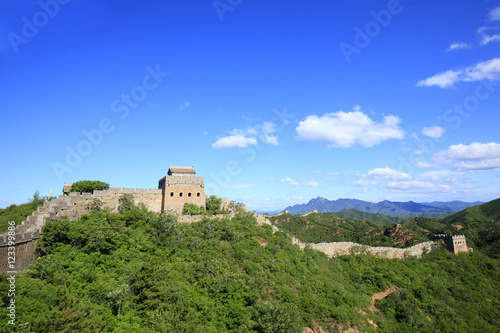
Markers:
<point>493,18</point>
<point>464,159</point>
<point>264,133</point>
<point>293,182</point>
<point>356,128</point>
<point>337,130</point>
<point>484,70</point>
<point>346,129</point>
<point>473,158</point>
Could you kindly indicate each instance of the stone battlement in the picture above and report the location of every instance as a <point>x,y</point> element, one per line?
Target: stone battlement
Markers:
<point>454,243</point>
<point>20,237</point>
<point>443,236</point>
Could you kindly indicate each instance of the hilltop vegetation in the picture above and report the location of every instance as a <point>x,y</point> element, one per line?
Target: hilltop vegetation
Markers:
<point>377,219</point>
<point>18,213</point>
<point>317,228</point>
<point>480,224</point>
<point>138,271</point>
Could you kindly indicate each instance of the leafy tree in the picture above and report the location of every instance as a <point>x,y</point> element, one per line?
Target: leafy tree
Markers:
<point>192,209</point>
<point>213,205</point>
<point>274,316</point>
<point>126,202</point>
<point>88,186</point>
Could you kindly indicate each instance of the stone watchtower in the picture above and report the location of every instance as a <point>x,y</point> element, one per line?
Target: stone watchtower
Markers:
<point>179,186</point>
<point>454,243</point>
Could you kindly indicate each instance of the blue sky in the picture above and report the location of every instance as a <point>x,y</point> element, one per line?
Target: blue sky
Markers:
<point>274,103</point>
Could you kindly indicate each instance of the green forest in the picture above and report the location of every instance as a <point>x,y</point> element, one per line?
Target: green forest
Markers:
<point>139,271</point>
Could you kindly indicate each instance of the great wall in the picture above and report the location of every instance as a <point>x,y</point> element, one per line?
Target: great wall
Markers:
<point>179,186</point>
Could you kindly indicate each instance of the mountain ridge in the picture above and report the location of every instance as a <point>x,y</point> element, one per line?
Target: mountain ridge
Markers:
<point>386,207</point>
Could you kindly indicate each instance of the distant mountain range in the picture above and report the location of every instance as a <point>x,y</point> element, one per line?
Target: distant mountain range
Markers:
<point>392,208</point>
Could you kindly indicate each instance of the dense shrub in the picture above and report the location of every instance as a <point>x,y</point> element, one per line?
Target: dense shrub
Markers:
<point>88,186</point>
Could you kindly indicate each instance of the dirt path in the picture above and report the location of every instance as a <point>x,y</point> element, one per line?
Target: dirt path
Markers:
<point>381,295</point>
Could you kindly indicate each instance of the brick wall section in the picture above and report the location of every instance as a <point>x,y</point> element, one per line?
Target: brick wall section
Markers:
<point>181,188</point>
<point>454,243</point>
<point>24,249</point>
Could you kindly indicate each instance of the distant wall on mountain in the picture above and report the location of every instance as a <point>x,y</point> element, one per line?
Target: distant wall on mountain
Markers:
<point>336,249</point>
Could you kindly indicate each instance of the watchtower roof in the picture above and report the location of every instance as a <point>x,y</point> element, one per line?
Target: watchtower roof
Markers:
<point>181,170</point>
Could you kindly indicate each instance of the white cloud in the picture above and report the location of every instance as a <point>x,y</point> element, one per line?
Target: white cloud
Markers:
<point>439,176</point>
<point>313,184</point>
<point>489,70</point>
<point>289,181</point>
<point>444,80</point>
<point>425,165</point>
<point>476,157</point>
<point>458,46</point>
<point>434,132</point>
<point>251,136</point>
<point>387,174</point>
<point>486,39</point>
<point>473,152</point>
<point>418,186</point>
<point>237,140</point>
<point>494,14</point>
<point>479,166</point>
<point>346,129</point>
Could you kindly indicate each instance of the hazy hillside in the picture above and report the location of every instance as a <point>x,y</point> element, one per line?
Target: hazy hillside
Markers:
<point>377,219</point>
<point>453,205</point>
<point>392,208</point>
